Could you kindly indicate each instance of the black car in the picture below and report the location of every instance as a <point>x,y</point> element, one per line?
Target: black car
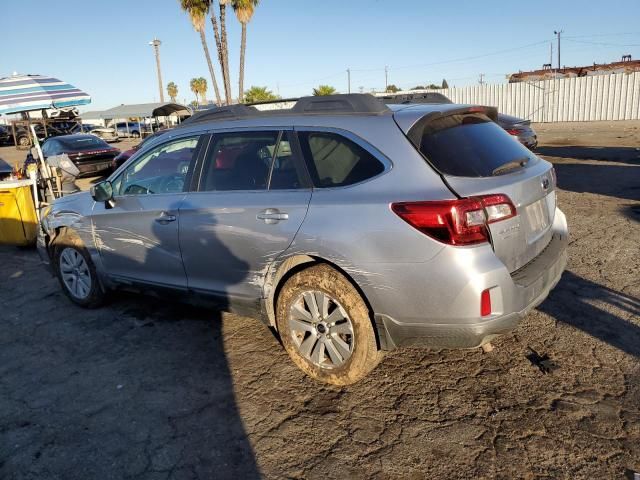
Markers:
<point>88,152</point>
<point>519,128</point>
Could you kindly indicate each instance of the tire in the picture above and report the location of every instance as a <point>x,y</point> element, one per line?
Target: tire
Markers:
<point>71,260</point>
<point>339,351</point>
<point>135,134</point>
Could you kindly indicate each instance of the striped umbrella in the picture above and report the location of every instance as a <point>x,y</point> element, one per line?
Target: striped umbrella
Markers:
<point>23,93</point>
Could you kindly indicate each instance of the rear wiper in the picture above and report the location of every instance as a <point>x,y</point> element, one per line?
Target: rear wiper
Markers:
<point>512,165</point>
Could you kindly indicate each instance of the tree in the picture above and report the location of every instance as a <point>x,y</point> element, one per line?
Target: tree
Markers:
<point>220,36</point>
<point>324,90</point>
<point>444,84</point>
<point>433,86</point>
<point>392,89</point>
<point>197,9</point>
<point>259,94</point>
<point>418,87</point>
<point>199,88</point>
<point>172,90</point>
<point>244,11</point>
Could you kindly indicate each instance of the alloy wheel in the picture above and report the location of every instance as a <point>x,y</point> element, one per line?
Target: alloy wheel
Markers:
<point>321,329</point>
<point>75,273</point>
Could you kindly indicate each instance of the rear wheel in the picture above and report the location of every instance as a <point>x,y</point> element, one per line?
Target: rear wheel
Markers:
<point>325,326</point>
<point>76,272</point>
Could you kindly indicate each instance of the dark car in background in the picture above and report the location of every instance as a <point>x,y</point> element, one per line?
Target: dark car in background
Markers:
<point>88,152</point>
<point>5,134</point>
<point>514,126</point>
<point>126,154</point>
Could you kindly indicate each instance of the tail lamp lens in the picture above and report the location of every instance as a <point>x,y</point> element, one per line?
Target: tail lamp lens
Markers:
<point>485,303</point>
<point>456,222</point>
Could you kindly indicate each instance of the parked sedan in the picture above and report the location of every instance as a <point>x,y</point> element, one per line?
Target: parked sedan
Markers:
<point>517,127</point>
<point>88,152</point>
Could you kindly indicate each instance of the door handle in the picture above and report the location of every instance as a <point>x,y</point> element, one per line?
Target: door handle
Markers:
<point>272,215</point>
<point>165,218</point>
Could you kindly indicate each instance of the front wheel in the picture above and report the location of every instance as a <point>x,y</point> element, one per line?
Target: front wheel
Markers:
<point>325,326</point>
<point>76,272</point>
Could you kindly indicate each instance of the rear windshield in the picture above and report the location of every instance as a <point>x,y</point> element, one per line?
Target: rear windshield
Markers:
<point>81,144</point>
<point>471,145</point>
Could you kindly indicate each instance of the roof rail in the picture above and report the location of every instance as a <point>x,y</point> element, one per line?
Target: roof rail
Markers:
<point>219,113</point>
<point>341,103</point>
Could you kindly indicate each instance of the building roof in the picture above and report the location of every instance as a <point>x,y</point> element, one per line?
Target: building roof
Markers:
<point>157,109</point>
<point>626,66</point>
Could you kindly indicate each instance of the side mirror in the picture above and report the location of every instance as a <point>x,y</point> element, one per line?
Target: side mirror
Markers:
<point>102,192</point>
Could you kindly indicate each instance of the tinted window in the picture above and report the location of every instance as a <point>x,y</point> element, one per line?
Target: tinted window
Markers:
<point>162,170</point>
<point>80,144</point>
<point>284,174</point>
<point>335,161</point>
<point>470,146</point>
<point>239,161</point>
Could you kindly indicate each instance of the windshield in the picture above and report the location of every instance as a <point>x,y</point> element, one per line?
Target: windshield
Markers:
<point>79,144</point>
<point>471,145</point>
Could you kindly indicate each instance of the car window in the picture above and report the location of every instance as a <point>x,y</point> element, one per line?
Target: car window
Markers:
<point>336,161</point>
<point>284,173</point>
<point>239,161</point>
<point>162,170</point>
<point>470,145</point>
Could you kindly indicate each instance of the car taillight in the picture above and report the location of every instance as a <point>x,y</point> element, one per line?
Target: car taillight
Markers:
<point>457,222</point>
<point>514,131</point>
<point>485,302</point>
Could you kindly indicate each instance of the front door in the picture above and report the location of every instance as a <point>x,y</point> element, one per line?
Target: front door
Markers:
<point>137,237</point>
<point>251,201</point>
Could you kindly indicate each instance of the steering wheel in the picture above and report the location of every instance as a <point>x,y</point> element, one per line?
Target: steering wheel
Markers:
<point>172,184</point>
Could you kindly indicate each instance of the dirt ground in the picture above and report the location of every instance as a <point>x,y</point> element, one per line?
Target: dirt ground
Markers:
<point>146,389</point>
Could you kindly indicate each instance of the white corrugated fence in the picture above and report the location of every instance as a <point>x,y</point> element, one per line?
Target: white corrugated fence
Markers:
<point>579,99</point>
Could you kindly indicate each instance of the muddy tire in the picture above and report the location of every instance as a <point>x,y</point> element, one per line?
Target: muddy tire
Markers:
<point>325,326</point>
<point>75,271</point>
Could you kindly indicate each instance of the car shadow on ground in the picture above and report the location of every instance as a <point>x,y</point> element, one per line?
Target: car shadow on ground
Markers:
<point>629,155</point>
<point>572,302</point>
<point>610,180</point>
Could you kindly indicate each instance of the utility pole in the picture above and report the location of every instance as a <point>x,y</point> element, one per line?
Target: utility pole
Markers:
<point>386,77</point>
<point>551,54</point>
<point>481,79</point>
<point>558,33</point>
<point>155,43</point>
<point>348,80</point>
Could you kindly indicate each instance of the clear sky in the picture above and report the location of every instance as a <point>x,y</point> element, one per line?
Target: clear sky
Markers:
<point>294,45</point>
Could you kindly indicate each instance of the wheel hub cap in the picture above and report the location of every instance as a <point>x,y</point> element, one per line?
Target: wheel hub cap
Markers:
<point>75,273</point>
<point>321,329</point>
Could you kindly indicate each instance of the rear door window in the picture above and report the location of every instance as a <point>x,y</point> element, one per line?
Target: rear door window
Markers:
<point>470,145</point>
<point>335,161</point>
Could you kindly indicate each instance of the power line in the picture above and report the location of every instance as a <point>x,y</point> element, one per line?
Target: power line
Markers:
<point>604,44</point>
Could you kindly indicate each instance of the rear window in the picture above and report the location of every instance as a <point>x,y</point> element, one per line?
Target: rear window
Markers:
<point>471,145</point>
<point>81,144</point>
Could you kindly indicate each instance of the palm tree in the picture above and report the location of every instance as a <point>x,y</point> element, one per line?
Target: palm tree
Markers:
<point>197,9</point>
<point>193,84</point>
<point>223,54</point>
<point>244,11</point>
<point>199,88</point>
<point>172,90</point>
<point>225,47</point>
<point>324,90</point>
<point>259,94</point>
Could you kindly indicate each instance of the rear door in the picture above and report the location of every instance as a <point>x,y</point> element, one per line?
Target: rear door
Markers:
<point>251,199</point>
<point>477,157</point>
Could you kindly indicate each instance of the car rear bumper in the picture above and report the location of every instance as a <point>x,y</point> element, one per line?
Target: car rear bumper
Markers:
<point>93,167</point>
<point>513,296</point>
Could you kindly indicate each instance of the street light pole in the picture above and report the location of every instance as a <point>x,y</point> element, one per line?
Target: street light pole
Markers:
<point>348,80</point>
<point>558,33</point>
<point>155,43</point>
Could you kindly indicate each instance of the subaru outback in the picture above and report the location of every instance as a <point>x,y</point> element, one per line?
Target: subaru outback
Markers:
<point>348,226</point>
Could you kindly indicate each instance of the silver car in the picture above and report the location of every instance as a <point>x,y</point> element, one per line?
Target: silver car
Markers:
<point>350,227</point>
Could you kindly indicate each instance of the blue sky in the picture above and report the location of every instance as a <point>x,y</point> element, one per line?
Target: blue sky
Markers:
<point>294,45</point>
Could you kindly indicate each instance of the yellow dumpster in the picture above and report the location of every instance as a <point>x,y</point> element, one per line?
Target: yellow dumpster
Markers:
<point>18,221</point>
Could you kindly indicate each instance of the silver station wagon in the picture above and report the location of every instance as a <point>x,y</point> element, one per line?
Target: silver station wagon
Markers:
<point>349,226</point>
